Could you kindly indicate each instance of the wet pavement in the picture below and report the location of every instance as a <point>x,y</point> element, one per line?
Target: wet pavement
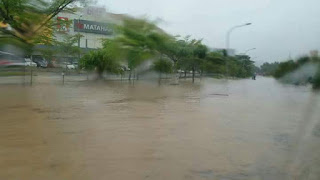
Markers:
<point>213,129</point>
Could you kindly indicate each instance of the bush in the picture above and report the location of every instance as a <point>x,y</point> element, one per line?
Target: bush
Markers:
<point>285,68</point>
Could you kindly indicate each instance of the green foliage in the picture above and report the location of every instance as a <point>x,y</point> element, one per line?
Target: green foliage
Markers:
<point>239,66</point>
<point>200,51</point>
<point>106,59</point>
<point>290,66</point>
<point>163,66</point>
<point>139,40</point>
<point>191,52</point>
<point>316,80</point>
<point>27,19</point>
<point>48,53</point>
<point>268,69</point>
<point>285,68</point>
<point>69,45</point>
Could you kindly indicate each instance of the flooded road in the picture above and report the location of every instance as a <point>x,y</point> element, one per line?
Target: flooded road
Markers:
<point>214,129</point>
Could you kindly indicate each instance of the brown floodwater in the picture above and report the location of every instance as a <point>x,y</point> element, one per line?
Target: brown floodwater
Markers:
<point>213,129</point>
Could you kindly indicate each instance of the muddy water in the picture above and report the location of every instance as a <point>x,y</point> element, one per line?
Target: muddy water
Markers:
<point>213,129</point>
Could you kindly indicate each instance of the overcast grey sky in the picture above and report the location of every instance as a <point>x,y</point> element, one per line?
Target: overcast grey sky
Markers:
<point>280,27</point>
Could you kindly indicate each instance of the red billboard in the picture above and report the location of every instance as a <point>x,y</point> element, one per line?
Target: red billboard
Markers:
<point>62,24</point>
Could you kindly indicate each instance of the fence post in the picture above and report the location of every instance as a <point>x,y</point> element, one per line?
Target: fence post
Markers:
<point>62,78</point>
<point>87,76</point>
<point>31,78</point>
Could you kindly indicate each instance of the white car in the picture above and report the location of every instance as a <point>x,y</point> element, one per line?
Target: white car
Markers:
<point>28,62</point>
<point>71,66</point>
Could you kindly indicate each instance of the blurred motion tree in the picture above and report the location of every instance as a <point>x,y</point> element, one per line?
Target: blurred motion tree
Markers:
<point>24,22</point>
<point>287,67</point>
<point>284,68</point>
<point>316,80</point>
<point>268,69</point>
<point>140,40</point>
<point>107,59</point>
<point>163,66</point>
<point>68,47</point>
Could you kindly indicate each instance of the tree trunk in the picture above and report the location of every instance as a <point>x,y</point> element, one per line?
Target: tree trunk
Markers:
<point>185,74</point>
<point>130,76</point>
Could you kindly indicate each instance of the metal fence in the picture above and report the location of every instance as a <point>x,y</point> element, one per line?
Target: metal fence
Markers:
<point>61,76</point>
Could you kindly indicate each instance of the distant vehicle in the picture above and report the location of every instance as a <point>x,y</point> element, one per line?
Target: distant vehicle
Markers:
<point>10,60</point>
<point>68,65</point>
<point>28,62</point>
<point>40,61</point>
<point>71,66</point>
<point>76,64</point>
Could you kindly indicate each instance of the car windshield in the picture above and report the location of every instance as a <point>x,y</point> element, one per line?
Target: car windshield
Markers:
<point>159,90</point>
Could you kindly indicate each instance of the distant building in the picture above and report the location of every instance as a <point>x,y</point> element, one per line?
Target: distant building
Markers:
<point>93,23</point>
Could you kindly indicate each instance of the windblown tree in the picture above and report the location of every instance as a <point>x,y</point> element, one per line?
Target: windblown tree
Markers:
<point>23,21</point>
<point>292,71</point>
<point>215,63</point>
<point>163,66</point>
<point>107,59</point>
<point>194,53</point>
<point>175,49</point>
<point>316,80</point>
<point>268,69</point>
<point>140,40</point>
<point>68,47</point>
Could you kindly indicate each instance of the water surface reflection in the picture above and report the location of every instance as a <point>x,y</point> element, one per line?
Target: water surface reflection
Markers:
<point>214,129</point>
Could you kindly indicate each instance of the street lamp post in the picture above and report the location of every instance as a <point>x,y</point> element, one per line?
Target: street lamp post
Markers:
<point>79,36</point>
<point>228,42</point>
<point>249,50</point>
<point>229,33</point>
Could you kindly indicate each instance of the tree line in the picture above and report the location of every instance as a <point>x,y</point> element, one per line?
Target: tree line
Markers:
<point>26,23</point>
<point>139,40</point>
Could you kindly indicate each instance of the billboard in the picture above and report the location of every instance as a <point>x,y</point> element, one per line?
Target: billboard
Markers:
<point>62,24</point>
<point>92,27</point>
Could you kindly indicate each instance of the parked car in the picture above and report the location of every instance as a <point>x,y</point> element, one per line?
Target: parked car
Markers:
<point>28,62</point>
<point>40,61</point>
<point>10,60</point>
<point>76,64</point>
<point>71,66</point>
